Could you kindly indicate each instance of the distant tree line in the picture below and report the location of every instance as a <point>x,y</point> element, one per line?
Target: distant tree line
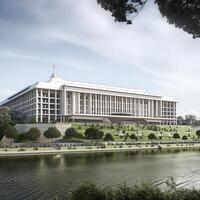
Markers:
<point>190,120</point>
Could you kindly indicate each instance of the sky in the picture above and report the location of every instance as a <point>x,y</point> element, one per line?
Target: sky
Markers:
<point>85,44</point>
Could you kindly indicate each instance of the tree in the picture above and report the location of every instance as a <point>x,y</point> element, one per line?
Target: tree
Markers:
<point>176,136</point>
<point>71,133</point>
<point>152,136</point>
<point>180,120</point>
<point>52,132</point>
<point>184,137</point>
<point>108,137</point>
<point>21,137</point>
<point>93,133</point>
<point>183,14</point>
<point>126,136</point>
<point>33,134</point>
<point>17,117</point>
<point>198,133</point>
<point>11,133</point>
<point>133,137</point>
<point>190,119</point>
<point>5,120</point>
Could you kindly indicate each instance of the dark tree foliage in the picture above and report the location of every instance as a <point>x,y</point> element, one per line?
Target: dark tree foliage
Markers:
<point>10,132</point>
<point>152,136</point>
<point>198,133</point>
<point>93,133</point>
<point>33,134</point>
<point>71,133</point>
<point>22,137</point>
<point>184,137</point>
<point>183,14</point>
<point>108,137</point>
<point>17,117</point>
<point>52,132</point>
<point>133,137</point>
<point>176,136</point>
<point>122,9</point>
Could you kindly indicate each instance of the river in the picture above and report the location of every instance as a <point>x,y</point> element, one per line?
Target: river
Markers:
<point>44,177</point>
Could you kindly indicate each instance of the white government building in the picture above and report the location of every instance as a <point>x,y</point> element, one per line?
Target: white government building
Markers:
<point>58,100</point>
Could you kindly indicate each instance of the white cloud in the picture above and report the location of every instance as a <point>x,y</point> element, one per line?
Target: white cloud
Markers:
<point>80,35</point>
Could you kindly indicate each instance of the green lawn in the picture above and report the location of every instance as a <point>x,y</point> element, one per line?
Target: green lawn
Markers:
<point>142,131</point>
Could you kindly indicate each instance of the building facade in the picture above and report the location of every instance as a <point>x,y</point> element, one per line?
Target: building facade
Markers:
<point>57,100</point>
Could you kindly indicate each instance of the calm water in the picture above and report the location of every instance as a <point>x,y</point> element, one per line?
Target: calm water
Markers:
<point>46,176</point>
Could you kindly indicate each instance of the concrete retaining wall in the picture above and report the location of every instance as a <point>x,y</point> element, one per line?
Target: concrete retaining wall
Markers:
<point>23,128</point>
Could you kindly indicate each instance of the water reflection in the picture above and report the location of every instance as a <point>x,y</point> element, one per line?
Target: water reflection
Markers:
<point>42,177</point>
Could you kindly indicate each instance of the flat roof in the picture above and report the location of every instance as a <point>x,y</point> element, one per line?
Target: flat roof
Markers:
<point>56,83</point>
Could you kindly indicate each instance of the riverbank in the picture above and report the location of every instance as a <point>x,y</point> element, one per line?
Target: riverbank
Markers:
<point>91,149</point>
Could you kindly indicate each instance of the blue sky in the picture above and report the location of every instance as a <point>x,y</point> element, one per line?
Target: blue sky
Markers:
<point>85,44</point>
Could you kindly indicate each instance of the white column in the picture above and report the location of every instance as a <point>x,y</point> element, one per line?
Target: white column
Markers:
<point>115,110</point>
<point>90,104</point>
<point>143,107</point>
<point>131,106</point>
<point>64,102</point>
<point>48,106</point>
<point>122,103</point>
<point>41,100</point>
<point>84,100</point>
<point>156,108</point>
<point>127,105</point>
<point>149,108</point>
<point>134,107</point>
<point>73,103</point>
<point>110,109</point>
<point>101,105</point>
<point>36,101</point>
<point>56,114</point>
<point>78,101</point>
<point>139,108</point>
<point>95,108</point>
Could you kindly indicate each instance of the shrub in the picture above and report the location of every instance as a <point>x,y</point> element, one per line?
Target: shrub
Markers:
<point>198,133</point>
<point>21,149</point>
<point>143,191</point>
<point>152,136</point>
<point>33,134</point>
<point>133,137</point>
<point>184,137</point>
<point>93,133</point>
<point>71,133</point>
<point>51,133</point>
<point>21,137</point>
<point>108,137</point>
<point>176,136</point>
<point>35,148</point>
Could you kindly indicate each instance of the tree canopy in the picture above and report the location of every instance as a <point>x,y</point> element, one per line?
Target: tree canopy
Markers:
<point>52,132</point>
<point>176,136</point>
<point>93,133</point>
<point>152,136</point>
<point>10,132</point>
<point>198,133</point>
<point>5,120</point>
<point>33,134</point>
<point>184,14</point>
<point>108,137</point>
<point>184,137</point>
<point>133,137</point>
<point>71,133</point>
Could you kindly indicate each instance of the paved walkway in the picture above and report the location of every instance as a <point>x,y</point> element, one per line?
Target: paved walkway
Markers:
<point>89,149</point>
